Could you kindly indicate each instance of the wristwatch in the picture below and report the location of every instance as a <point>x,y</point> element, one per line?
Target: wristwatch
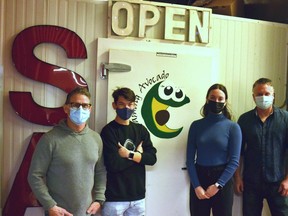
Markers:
<point>131,155</point>
<point>218,186</point>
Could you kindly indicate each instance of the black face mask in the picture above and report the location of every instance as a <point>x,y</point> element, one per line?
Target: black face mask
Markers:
<point>215,107</point>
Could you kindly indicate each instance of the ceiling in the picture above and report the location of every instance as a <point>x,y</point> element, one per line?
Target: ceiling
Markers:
<point>267,10</point>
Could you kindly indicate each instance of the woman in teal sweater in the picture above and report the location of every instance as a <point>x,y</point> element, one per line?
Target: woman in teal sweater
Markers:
<point>213,152</point>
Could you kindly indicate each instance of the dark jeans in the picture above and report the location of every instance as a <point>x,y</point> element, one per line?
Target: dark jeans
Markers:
<point>221,203</point>
<point>253,197</point>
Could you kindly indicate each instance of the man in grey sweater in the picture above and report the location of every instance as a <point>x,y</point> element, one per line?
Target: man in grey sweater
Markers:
<point>67,173</point>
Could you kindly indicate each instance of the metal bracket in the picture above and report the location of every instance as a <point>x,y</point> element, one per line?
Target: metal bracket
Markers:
<point>113,67</point>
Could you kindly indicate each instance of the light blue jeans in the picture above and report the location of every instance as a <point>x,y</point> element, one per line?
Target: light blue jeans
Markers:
<point>133,208</point>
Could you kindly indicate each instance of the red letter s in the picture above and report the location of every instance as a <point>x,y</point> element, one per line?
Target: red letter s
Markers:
<point>27,64</point>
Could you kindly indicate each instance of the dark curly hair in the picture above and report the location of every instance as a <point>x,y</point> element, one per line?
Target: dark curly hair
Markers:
<point>127,93</point>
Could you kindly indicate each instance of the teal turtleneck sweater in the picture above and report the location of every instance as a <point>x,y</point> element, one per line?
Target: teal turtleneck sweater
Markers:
<point>212,141</point>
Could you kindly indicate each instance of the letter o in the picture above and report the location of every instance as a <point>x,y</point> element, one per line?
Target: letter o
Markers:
<point>117,7</point>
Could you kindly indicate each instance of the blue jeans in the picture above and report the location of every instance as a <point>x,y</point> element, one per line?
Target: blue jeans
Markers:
<point>254,194</point>
<point>131,208</point>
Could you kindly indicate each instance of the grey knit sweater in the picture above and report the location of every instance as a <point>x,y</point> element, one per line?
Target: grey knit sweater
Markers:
<point>67,169</point>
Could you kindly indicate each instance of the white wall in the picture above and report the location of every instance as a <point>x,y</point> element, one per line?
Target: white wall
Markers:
<point>249,49</point>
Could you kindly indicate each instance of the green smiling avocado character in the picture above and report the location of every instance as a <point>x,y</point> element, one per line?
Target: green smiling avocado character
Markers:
<point>155,104</point>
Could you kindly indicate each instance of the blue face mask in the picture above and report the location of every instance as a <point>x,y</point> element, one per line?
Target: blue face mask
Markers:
<point>79,116</point>
<point>264,102</point>
<point>124,113</point>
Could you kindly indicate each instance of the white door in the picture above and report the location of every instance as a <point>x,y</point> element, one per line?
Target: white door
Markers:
<point>170,84</point>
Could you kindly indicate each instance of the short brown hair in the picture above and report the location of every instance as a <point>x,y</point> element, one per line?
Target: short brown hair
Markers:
<point>78,90</point>
<point>262,81</point>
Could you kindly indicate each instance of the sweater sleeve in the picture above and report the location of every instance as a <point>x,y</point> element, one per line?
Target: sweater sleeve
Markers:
<point>235,139</point>
<point>100,175</point>
<point>191,155</point>
<point>149,151</point>
<point>112,160</point>
<point>37,173</point>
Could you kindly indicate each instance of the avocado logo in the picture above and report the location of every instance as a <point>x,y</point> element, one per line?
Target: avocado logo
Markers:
<point>154,109</point>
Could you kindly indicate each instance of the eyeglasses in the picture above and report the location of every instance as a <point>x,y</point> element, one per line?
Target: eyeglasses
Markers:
<point>77,105</point>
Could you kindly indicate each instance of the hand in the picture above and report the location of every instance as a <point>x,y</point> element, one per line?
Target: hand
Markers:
<point>283,189</point>
<point>58,211</point>
<point>211,190</point>
<point>238,185</point>
<point>93,208</point>
<point>140,148</point>
<point>123,152</point>
<point>201,193</point>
